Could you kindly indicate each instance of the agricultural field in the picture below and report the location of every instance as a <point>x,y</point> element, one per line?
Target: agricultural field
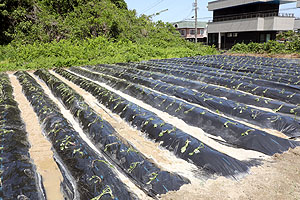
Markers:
<point>206,127</point>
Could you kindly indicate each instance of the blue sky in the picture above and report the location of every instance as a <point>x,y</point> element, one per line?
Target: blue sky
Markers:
<point>182,9</point>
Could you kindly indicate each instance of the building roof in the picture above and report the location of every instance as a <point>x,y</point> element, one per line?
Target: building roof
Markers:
<point>189,24</point>
<point>220,4</point>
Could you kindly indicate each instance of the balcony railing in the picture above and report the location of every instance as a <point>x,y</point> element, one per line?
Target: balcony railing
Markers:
<point>252,15</point>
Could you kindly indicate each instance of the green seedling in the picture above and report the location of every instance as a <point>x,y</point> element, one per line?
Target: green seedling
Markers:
<point>162,133</point>
<point>65,143</point>
<point>166,131</point>
<point>207,99</point>
<point>55,131</point>
<point>202,95</point>
<point>96,179</point>
<point>156,85</point>
<point>274,119</point>
<point>229,122</point>
<point>116,99</point>
<point>179,108</point>
<point>102,161</point>
<point>126,107</point>
<point>187,111</point>
<point>171,104</point>
<point>109,145</point>
<point>247,132</point>
<point>119,102</point>
<point>255,89</point>
<point>147,122</point>
<point>71,99</point>
<point>291,96</point>
<point>163,101</point>
<point>183,149</point>
<point>95,120</point>
<point>154,176</point>
<point>78,151</point>
<point>157,96</point>
<point>130,149</point>
<point>197,150</point>
<point>278,109</point>
<point>238,86</point>
<point>133,166</point>
<point>107,190</point>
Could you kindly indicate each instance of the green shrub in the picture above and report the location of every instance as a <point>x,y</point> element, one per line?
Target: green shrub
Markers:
<point>66,53</point>
<point>270,47</point>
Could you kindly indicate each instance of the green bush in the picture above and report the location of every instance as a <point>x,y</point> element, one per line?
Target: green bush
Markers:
<point>287,43</point>
<point>66,53</point>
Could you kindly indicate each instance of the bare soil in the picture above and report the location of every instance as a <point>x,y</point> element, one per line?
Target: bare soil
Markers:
<point>40,151</point>
<point>277,179</point>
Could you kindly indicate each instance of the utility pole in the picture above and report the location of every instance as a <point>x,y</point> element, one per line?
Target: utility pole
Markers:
<point>196,20</point>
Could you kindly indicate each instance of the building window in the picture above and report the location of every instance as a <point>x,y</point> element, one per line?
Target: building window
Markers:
<point>268,37</point>
<point>229,35</point>
<point>262,38</point>
<point>201,32</point>
<point>182,32</point>
<point>192,31</point>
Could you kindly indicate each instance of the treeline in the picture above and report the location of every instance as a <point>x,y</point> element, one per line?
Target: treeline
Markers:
<point>47,20</point>
<point>61,33</point>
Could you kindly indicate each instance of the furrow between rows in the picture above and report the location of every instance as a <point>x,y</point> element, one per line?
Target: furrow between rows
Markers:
<point>94,175</point>
<point>238,111</point>
<point>231,131</point>
<point>147,175</point>
<point>40,150</point>
<point>162,157</point>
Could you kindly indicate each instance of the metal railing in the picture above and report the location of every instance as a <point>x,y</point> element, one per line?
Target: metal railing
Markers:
<point>251,15</point>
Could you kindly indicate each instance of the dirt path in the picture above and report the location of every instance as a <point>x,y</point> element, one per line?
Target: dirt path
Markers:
<point>277,179</point>
<point>40,150</point>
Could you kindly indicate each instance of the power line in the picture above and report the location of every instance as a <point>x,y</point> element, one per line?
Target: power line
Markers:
<point>187,15</point>
<point>154,5</point>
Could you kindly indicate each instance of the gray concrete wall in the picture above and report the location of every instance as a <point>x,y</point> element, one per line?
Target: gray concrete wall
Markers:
<point>253,24</point>
<point>297,24</point>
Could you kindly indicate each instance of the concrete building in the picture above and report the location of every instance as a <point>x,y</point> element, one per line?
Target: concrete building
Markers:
<point>187,30</point>
<point>297,25</point>
<point>237,21</point>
